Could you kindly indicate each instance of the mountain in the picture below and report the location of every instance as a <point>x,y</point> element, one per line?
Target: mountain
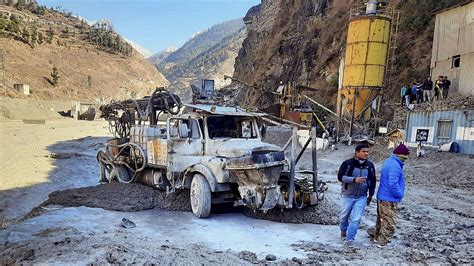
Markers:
<point>202,41</point>
<point>103,24</point>
<point>208,54</point>
<point>303,41</point>
<point>213,64</point>
<point>157,58</point>
<point>106,24</point>
<point>140,49</point>
<point>62,57</point>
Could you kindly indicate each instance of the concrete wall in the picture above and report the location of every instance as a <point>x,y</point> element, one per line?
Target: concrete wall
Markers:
<point>454,35</point>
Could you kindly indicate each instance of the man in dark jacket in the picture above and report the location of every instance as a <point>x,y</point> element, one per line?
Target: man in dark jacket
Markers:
<point>358,185</point>
<point>446,85</point>
<point>390,193</point>
<point>427,88</point>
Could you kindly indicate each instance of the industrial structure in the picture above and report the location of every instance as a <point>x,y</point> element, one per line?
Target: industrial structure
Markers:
<point>370,43</point>
<point>443,126</point>
<point>453,47</point>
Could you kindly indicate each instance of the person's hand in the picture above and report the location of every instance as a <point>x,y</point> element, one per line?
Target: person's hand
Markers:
<point>360,179</point>
<point>369,199</point>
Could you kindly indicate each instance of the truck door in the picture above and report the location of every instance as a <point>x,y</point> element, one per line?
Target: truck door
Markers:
<point>185,143</point>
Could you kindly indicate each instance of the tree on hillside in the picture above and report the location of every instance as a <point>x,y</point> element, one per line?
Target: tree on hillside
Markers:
<point>50,35</point>
<point>55,76</point>
<point>40,38</point>
<point>89,81</point>
<point>25,34</point>
<point>14,25</point>
<point>34,36</point>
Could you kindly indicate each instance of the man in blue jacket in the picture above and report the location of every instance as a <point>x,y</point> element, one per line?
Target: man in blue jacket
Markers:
<point>358,185</point>
<point>390,193</point>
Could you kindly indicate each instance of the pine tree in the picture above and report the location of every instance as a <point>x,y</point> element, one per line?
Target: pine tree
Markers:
<point>55,76</point>
<point>89,81</point>
<point>40,38</point>
<point>50,34</point>
<point>34,36</point>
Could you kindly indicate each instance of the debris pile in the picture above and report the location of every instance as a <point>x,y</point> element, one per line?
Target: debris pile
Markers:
<point>441,172</point>
<point>323,213</point>
<point>454,102</point>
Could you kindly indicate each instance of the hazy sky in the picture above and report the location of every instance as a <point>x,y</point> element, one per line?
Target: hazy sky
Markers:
<point>157,24</point>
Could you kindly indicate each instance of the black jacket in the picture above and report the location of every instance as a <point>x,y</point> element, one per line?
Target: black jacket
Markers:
<point>345,175</point>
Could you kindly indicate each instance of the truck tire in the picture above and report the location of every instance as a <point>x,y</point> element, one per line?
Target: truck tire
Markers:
<point>105,173</point>
<point>200,194</point>
<point>121,174</point>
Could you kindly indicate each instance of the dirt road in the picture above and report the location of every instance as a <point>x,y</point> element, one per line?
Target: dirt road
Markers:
<point>435,219</point>
<point>31,163</point>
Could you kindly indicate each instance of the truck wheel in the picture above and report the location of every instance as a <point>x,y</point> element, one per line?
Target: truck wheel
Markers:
<point>105,173</point>
<point>200,194</point>
<point>121,174</point>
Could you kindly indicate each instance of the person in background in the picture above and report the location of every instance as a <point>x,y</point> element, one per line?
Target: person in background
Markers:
<point>427,88</point>
<point>419,92</point>
<point>446,84</point>
<point>413,92</point>
<point>358,179</point>
<point>439,88</point>
<point>407,96</point>
<point>390,193</point>
<point>403,92</point>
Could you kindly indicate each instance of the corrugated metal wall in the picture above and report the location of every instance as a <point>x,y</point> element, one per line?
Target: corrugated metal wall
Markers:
<point>462,127</point>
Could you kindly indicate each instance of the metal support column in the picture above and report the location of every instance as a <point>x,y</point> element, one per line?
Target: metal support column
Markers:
<point>315,163</point>
<point>351,126</point>
<point>291,192</point>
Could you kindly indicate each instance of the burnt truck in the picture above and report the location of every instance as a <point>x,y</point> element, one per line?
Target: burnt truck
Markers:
<point>215,152</point>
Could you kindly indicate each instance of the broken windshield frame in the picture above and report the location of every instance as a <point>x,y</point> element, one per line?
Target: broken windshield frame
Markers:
<point>231,127</point>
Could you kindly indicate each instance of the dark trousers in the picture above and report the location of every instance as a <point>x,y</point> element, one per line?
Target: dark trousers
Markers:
<point>445,93</point>
<point>419,96</point>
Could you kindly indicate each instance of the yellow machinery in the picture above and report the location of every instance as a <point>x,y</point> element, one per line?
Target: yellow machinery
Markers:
<point>290,105</point>
<point>365,61</point>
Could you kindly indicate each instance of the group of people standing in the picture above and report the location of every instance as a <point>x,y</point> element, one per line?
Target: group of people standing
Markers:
<point>422,91</point>
<point>358,179</point>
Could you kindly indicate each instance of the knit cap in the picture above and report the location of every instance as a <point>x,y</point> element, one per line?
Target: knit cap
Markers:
<point>401,150</point>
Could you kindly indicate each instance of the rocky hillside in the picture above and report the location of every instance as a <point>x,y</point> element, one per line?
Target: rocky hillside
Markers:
<point>62,57</point>
<point>209,54</point>
<point>303,41</point>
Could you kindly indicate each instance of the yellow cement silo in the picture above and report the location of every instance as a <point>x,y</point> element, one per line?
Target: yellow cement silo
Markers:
<point>365,60</point>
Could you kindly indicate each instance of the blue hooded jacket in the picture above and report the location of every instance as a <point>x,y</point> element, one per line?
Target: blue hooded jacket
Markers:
<point>392,181</point>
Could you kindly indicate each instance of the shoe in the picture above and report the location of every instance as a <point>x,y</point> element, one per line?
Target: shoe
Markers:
<point>343,234</point>
<point>350,243</point>
<point>371,232</point>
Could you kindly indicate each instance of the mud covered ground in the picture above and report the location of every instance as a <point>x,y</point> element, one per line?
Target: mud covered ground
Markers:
<point>80,222</point>
<point>116,197</point>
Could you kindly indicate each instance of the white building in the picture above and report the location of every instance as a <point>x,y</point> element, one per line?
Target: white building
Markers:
<point>453,47</point>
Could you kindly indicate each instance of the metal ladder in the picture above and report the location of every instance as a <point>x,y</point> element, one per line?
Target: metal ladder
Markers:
<point>392,47</point>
